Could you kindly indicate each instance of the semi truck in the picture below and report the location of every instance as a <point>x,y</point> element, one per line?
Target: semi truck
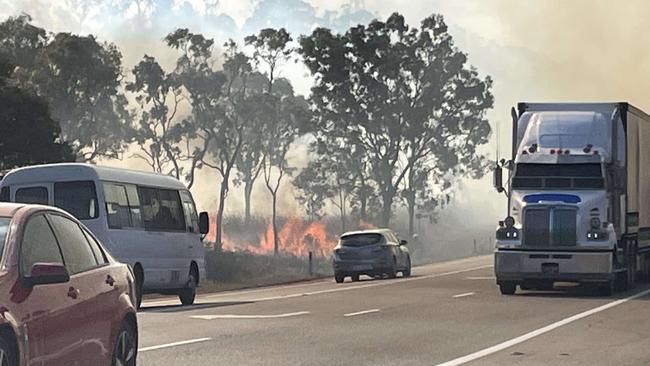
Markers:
<point>578,191</point>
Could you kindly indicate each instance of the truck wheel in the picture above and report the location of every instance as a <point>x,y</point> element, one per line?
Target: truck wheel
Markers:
<point>607,289</point>
<point>508,288</point>
<point>339,278</point>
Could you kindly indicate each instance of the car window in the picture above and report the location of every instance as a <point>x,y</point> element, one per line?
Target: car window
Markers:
<point>360,240</point>
<point>191,218</point>
<point>39,245</point>
<point>161,209</point>
<point>78,198</point>
<point>4,228</point>
<point>77,253</point>
<point>117,206</point>
<point>4,194</point>
<point>34,195</point>
<point>95,247</point>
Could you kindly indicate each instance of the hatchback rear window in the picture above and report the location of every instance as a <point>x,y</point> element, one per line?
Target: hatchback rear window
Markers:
<point>360,240</point>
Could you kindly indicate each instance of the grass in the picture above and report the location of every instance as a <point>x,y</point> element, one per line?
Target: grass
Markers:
<point>237,270</point>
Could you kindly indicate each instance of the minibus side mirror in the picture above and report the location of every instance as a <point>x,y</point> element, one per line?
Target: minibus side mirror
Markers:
<point>204,223</point>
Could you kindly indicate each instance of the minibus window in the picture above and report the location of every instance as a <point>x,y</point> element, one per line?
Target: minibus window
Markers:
<point>78,198</point>
<point>191,218</point>
<point>32,195</point>
<point>4,194</point>
<point>161,209</point>
<point>117,206</point>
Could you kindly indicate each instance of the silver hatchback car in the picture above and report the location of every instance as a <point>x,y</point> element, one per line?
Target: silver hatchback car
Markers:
<point>373,253</point>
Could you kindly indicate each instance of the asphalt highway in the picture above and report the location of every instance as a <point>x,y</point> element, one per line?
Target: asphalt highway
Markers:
<point>445,314</point>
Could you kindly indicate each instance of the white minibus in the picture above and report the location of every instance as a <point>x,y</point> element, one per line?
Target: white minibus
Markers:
<point>146,220</point>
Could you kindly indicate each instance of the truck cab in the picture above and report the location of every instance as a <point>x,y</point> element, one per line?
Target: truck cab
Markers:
<point>575,187</point>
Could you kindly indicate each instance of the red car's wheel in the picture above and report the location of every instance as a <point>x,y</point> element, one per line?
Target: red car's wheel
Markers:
<point>7,354</point>
<point>126,347</point>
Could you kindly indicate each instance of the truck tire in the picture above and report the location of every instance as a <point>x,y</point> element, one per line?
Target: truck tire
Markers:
<point>507,288</point>
<point>607,289</point>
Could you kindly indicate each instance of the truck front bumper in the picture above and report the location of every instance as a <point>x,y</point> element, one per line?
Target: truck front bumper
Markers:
<point>575,266</point>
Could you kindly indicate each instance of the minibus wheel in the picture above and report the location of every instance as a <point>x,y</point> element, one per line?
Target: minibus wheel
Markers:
<point>188,294</point>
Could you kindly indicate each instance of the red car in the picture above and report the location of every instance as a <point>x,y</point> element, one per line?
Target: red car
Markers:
<point>63,299</point>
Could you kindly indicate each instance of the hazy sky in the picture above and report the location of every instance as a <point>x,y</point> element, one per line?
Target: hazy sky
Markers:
<point>560,50</point>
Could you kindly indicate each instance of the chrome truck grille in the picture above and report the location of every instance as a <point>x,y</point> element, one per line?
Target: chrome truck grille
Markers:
<point>549,227</point>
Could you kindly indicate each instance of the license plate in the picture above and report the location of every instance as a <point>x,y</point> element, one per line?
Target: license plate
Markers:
<point>550,268</point>
<point>361,267</point>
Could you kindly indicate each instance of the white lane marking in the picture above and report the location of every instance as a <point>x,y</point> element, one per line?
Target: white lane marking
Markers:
<point>463,295</point>
<point>337,289</point>
<point>481,278</point>
<point>232,294</point>
<point>152,348</point>
<point>523,338</point>
<point>362,312</point>
<point>234,316</point>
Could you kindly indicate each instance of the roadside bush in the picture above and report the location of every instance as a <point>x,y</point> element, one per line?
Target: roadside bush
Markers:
<point>252,269</point>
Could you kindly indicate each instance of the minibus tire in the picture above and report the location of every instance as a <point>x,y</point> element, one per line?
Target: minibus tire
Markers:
<point>139,280</point>
<point>188,294</point>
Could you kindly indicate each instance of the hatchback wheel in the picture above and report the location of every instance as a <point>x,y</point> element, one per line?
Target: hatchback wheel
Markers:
<point>7,354</point>
<point>125,350</point>
<point>407,271</point>
<point>508,288</point>
<point>392,272</point>
<point>339,278</point>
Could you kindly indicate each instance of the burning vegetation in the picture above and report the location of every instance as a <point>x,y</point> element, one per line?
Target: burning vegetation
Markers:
<point>297,236</point>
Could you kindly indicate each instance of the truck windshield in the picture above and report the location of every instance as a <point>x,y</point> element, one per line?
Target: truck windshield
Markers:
<point>570,130</point>
<point>554,176</point>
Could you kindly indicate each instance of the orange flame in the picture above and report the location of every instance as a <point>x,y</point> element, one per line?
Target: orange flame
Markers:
<point>365,225</point>
<point>295,237</point>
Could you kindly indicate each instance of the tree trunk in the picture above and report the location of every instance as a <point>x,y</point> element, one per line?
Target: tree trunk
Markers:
<point>248,189</point>
<point>363,198</point>
<point>386,210</point>
<point>342,207</point>
<point>222,204</point>
<point>276,241</point>
<point>411,210</point>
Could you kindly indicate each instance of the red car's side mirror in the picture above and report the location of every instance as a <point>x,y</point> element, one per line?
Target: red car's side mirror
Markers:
<point>47,273</point>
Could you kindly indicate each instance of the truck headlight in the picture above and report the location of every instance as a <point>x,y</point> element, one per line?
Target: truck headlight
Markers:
<point>508,233</point>
<point>597,235</point>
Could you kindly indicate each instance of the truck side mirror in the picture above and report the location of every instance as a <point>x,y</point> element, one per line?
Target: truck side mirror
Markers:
<point>498,178</point>
<point>204,223</point>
